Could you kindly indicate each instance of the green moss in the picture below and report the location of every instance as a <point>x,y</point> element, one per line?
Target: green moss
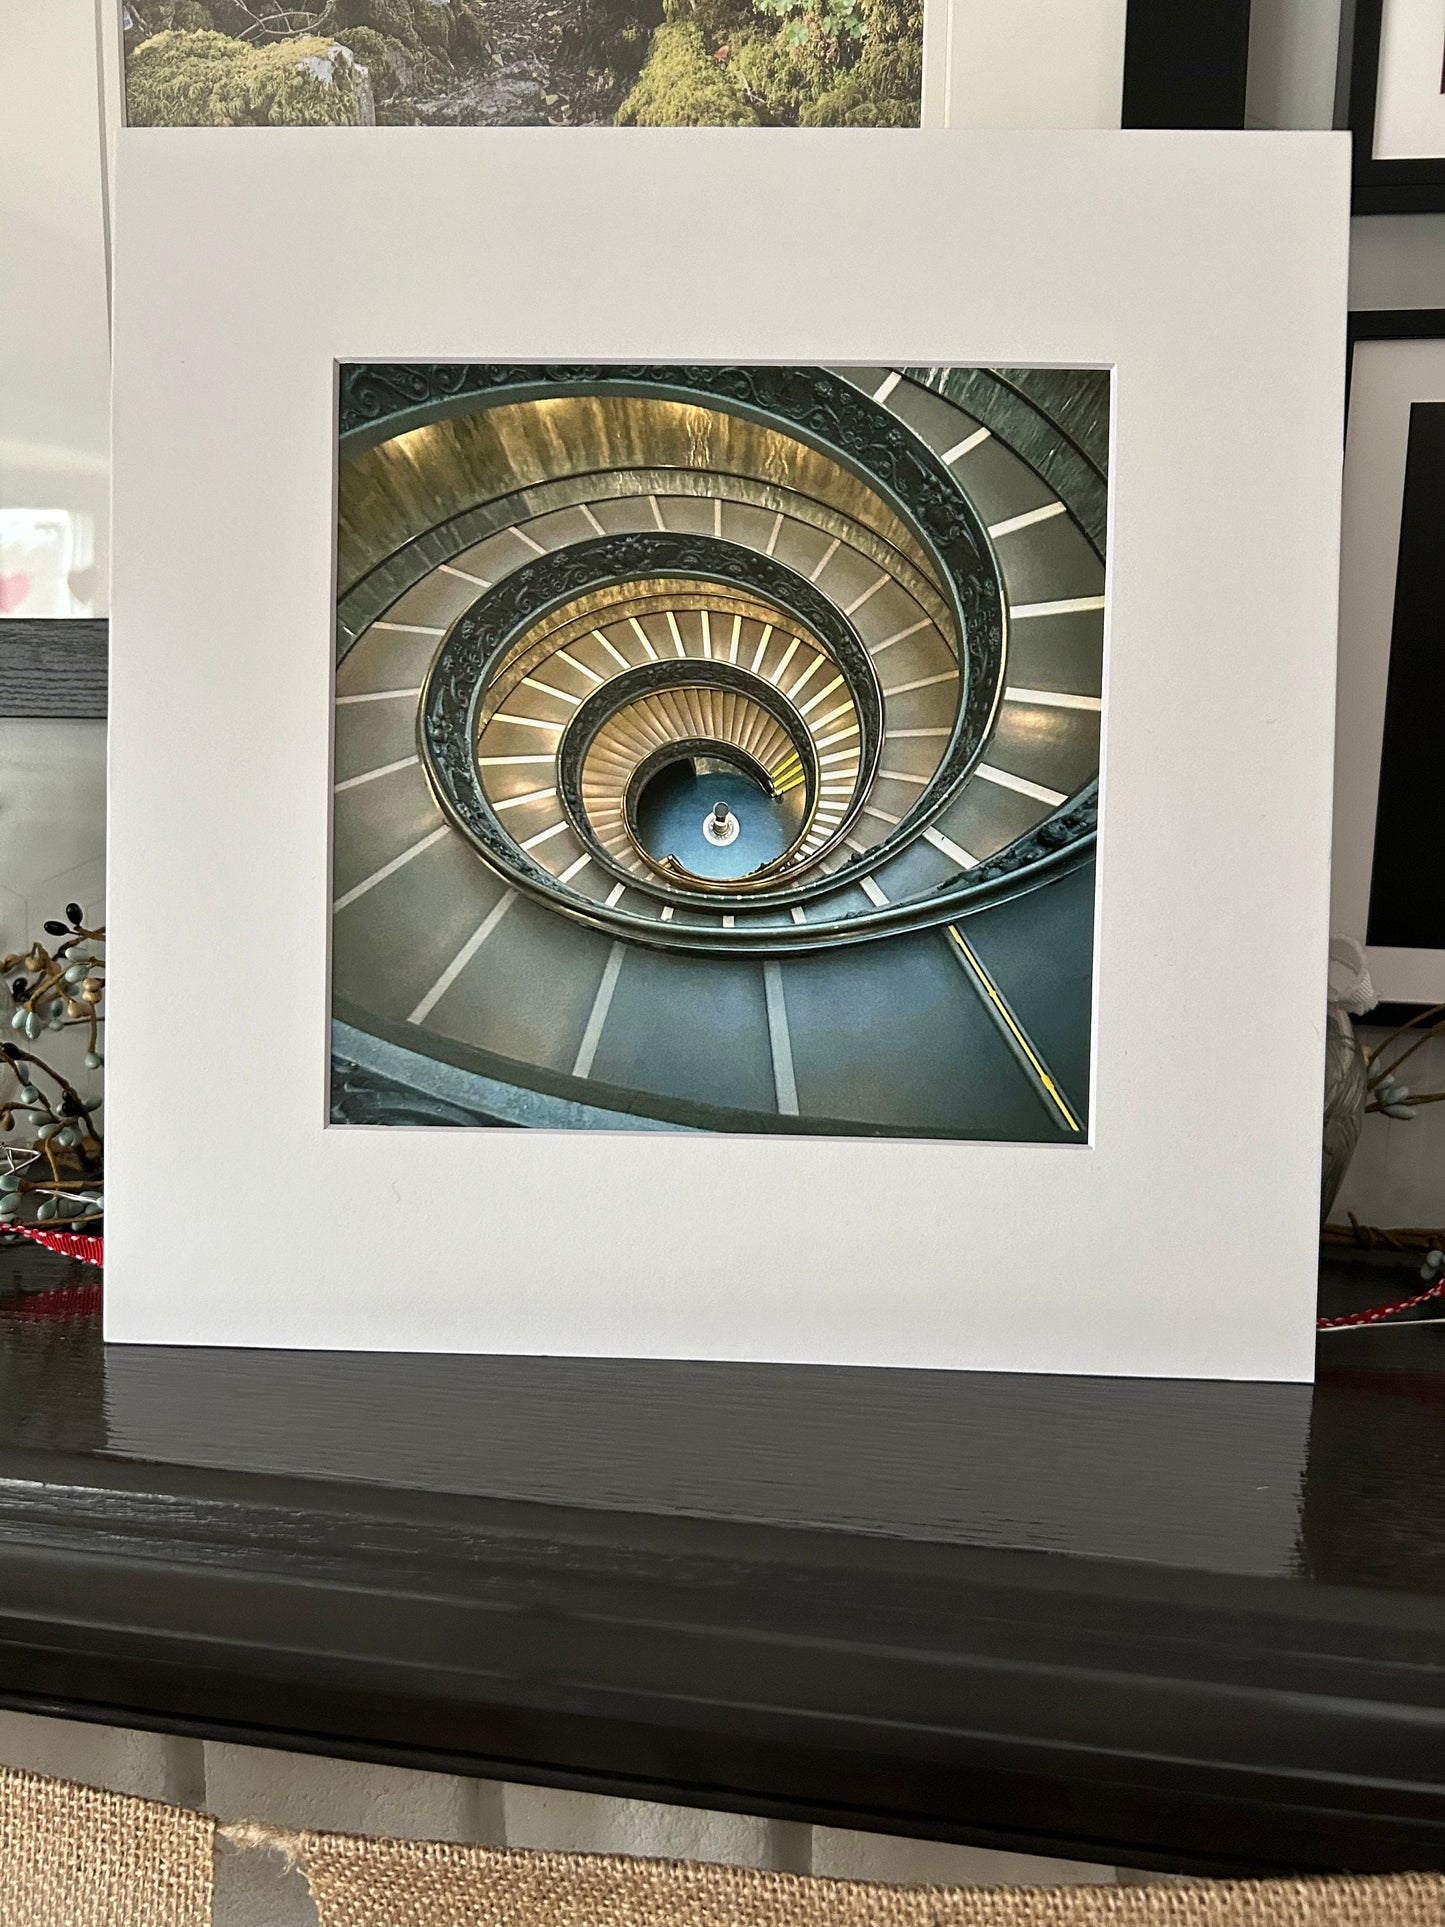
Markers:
<point>852,104</point>
<point>208,80</point>
<point>451,29</point>
<point>892,62</point>
<point>779,77</point>
<point>609,37</point>
<point>813,63</point>
<point>683,85</point>
<point>718,21</point>
<point>393,70</point>
<point>392,19</point>
<point>884,86</point>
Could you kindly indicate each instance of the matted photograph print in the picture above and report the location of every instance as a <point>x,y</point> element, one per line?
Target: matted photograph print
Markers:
<point>513,63</point>
<point>717,748</point>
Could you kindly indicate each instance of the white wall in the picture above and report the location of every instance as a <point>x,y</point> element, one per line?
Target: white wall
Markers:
<point>52,850</point>
<point>1292,60</point>
<point>1397,1175</point>
<point>55,364</point>
<point>1397,261</point>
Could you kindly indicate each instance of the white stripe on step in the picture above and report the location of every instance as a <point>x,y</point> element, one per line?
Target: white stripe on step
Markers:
<point>1007,780</point>
<point>592,1036</point>
<point>1052,699</point>
<point>388,869</point>
<point>955,852</point>
<point>463,957</point>
<point>923,682</point>
<point>784,1082</point>
<point>547,690</point>
<point>581,667</point>
<point>370,775</point>
<point>900,636</point>
<point>825,558</point>
<point>530,796</point>
<point>544,836</point>
<point>964,447</point>
<point>1071,606</point>
<point>867,596</point>
<point>1026,520</point>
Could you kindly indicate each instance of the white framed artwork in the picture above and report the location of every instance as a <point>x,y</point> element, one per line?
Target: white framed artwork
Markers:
<point>1393,80</point>
<point>1040,63</point>
<point>456,574</point>
<point>1410,91</point>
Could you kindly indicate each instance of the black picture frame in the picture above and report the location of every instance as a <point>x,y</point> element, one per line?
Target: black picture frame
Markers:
<point>1379,186</point>
<point>1186,63</point>
<point>1390,324</point>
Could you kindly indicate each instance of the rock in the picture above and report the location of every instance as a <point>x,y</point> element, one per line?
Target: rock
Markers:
<point>335,68</point>
<point>513,96</point>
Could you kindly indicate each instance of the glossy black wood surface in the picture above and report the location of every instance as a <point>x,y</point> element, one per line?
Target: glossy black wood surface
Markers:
<point>53,667</point>
<point>1197,1626</point>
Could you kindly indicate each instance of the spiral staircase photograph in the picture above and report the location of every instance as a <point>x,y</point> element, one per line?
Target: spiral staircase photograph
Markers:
<point>717,748</point>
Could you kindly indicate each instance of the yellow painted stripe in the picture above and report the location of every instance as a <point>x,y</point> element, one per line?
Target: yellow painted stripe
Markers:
<point>991,992</point>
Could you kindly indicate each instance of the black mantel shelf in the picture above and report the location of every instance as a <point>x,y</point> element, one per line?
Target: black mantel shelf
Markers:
<point>1191,1626</point>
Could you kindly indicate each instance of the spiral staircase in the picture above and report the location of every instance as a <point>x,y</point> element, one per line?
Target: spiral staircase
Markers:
<point>717,748</point>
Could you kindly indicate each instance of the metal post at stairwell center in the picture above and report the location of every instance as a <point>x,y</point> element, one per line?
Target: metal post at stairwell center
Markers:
<point>720,826</point>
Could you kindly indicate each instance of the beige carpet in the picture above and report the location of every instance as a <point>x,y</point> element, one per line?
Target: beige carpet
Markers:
<point>401,1883</point>
<point>72,1856</point>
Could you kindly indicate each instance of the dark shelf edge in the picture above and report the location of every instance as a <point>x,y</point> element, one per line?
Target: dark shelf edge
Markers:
<point>994,1697</point>
<point>811,1812</point>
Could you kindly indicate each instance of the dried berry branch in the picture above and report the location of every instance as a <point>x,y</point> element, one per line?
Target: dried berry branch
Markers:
<point>1388,1095</point>
<point>59,1172</point>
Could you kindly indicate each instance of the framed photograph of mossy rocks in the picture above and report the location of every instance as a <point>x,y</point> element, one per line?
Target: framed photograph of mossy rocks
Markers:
<point>515,63</point>
<point>715,784</point>
<point>646,63</point>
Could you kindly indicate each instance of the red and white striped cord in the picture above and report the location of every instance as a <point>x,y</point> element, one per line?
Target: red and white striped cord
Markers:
<point>70,1244</point>
<point>91,1251</point>
<point>1377,1313</point>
